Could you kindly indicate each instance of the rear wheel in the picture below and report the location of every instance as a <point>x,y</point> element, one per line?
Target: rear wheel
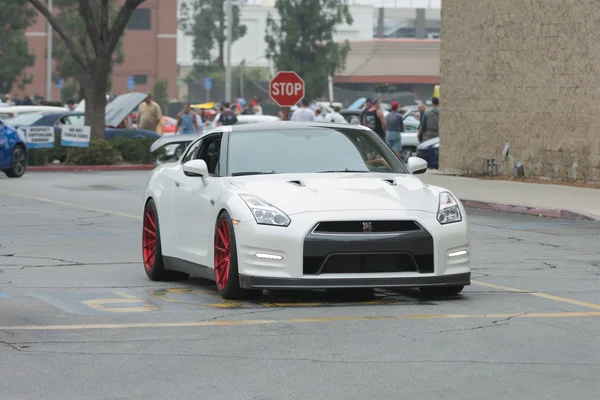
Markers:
<point>151,248</point>
<point>441,291</point>
<point>18,163</point>
<point>226,264</point>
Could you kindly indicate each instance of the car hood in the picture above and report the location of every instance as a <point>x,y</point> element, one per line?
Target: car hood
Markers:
<point>429,143</point>
<point>297,193</point>
<point>118,109</point>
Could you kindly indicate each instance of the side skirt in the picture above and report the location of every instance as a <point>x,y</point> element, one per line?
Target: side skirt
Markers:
<point>177,264</point>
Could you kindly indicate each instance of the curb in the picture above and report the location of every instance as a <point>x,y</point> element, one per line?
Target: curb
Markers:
<point>88,168</point>
<point>536,211</point>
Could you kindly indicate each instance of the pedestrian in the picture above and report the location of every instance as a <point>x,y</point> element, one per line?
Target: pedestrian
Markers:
<point>368,104</point>
<point>71,105</point>
<point>421,108</point>
<point>149,114</point>
<point>335,116</point>
<point>319,116</point>
<point>227,117</point>
<point>187,123</point>
<point>303,113</point>
<point>374,119</point>
<point>394,122</point>
<point>257,107</point>
<point>430,124</point>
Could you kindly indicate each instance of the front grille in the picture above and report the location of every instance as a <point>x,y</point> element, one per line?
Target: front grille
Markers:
<point>353,227</point>
<point>367,263</point>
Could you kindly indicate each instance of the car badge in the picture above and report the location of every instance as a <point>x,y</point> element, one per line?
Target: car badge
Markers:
<point>367,227</point>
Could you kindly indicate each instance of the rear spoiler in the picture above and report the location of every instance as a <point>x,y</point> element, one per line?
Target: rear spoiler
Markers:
<point>174,139</point>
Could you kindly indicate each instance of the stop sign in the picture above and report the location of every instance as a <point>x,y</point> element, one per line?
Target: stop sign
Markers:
<point>286,89</point>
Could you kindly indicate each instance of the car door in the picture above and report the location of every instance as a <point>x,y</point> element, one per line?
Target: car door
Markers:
<point>4,147</point>
<point>194,199</point>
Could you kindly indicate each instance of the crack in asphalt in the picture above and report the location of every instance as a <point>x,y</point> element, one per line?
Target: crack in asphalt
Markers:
<point>81,264</point>
<point>38,258</point>
<point>498,322</point>
<point>312,360</point>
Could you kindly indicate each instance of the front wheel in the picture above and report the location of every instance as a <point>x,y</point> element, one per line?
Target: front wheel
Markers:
<point>18,163</point>
<point>441,291</point>
<point>154,264</point>
<point>226,263</point>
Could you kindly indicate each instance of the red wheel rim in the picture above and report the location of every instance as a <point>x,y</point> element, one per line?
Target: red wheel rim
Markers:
<point>149,238</point>
<point>222,253</point>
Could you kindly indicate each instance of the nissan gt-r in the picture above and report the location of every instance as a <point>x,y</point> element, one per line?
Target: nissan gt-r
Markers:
<point>298,205</point>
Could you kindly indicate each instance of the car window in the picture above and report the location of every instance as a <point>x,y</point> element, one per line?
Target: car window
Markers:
<point>190,152</point>
<point>309,150</point>
<point>73,120</point>
<point>210,152</point>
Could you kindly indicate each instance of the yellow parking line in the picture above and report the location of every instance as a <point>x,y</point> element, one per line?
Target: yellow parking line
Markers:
<point>64,203</point>
<point>540,294</point>
<point>297,320</point>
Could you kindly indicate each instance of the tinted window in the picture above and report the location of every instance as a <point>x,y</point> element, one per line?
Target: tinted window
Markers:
<point>190,154</point>
<point>140,19</point>
<point>310,150</point>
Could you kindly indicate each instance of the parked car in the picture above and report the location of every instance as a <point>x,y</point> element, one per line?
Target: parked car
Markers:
<point>116,112</point>
<point>6,113</point>
<point>13,152</point>
<point>410,136</point>
<point>429,151</point>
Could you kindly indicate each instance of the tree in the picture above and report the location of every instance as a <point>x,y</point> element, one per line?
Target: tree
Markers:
<point>71,19</point>
<point>104,34</point>
<point>206,22</point>
<point>302,40</point>
<point>15,17</point>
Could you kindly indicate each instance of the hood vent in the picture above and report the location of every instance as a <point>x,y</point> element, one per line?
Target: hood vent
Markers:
<point>297,183</point>
<point>390,181</point>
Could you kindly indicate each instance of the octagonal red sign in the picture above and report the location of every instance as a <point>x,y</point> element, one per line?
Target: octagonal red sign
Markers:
<point>286,88</point>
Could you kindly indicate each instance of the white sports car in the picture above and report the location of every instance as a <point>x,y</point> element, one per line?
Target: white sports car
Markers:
<point>297,205</point>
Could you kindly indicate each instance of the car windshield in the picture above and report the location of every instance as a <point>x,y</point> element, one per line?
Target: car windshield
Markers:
<point>26,119</point>
<point>310,150</point>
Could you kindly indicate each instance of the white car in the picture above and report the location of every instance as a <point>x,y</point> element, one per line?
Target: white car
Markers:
<point>298,205</point>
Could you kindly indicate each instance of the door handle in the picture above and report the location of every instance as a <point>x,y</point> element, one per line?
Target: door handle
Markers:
<point>177,184</point>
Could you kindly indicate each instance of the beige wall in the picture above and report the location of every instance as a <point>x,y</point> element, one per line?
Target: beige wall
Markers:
<point>525,72</point>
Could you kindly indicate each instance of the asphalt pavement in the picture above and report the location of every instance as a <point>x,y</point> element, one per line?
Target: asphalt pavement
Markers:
<point>80,320</point>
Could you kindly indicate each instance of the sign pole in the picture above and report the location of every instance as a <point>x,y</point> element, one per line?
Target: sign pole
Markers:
<point>286,113</point>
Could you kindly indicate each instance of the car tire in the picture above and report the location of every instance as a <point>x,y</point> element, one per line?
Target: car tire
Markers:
<point>18,162</point>
<point>227,277</point>
<point>441,291</point>
<point>152,257</point>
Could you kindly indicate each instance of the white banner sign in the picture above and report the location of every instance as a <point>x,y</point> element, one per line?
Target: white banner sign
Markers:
<point>75,136</point>
<point>39,137</point>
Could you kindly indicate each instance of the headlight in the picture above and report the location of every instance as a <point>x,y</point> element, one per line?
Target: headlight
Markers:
<point>265,213</point>
<point>448,209</point>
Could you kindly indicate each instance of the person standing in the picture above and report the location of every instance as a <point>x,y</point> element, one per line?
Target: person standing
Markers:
<point>319,115</point>
<point>421,108</point>
<point>257,107</point>
<point>374,119</point>
<point>187,123</point>
<point>149,114</point>
<point>395,126</point>
<point>368,105</point>
<point>335,116</point>
<point>227,117</point>
<point>303,113</point>
<point>430,125</point>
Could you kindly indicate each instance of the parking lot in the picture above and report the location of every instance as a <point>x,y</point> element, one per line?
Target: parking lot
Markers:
<point>80,319</point>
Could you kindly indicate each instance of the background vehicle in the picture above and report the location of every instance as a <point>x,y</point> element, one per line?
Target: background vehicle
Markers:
<point>13,152</point>
<point>6,113</point>
<point>430,152</point>
<point>316,206</point>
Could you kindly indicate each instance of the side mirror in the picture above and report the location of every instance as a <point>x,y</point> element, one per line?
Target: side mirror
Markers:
<point>417,165</point>
<point>196,168</point>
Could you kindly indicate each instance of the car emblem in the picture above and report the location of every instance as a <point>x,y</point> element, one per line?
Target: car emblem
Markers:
<point>367,227</point>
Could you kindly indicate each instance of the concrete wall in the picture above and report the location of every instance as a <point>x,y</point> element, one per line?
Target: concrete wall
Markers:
<point>525,72</point>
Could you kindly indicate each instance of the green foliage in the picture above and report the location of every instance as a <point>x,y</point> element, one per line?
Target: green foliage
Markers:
<point>206,22</point>
<point>15,17</point>
<point>100,152</point>
<point>160,93</point>
<point>302,41</point>
<point>75,26</point>
<point>68,91</point>
<point>135,151</point>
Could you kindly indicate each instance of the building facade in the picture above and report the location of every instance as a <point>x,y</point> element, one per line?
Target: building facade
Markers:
<point>523,80</point>
<point>149,44</point>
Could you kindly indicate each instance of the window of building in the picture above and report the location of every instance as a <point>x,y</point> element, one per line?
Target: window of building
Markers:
<point>140,79</point>
<point>140,20</point>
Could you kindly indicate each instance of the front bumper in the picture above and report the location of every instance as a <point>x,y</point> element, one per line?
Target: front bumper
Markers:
<point>260,282</point>
<point>277,257</point>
